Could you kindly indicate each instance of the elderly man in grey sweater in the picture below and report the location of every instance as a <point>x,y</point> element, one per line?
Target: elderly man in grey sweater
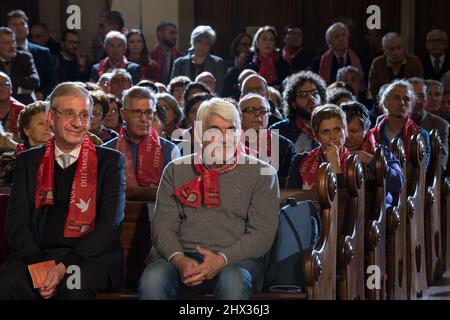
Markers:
<point>214,221</point>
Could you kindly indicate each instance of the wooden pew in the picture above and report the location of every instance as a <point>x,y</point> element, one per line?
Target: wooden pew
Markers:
<point>350,245</point>
<point>433,248</point>
<point>396,288</point>
<point>445,221</point>
<point>319,266</point>
<point>375,225</point>
<point>415,235</point>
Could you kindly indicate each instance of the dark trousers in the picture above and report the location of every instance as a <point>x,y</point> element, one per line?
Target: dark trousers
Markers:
<point>16,284</point>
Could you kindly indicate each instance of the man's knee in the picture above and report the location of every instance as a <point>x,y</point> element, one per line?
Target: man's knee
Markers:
<point>234,283</point>
<point>159,281</point>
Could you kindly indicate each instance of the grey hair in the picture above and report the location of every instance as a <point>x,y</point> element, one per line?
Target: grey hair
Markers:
<point>397,83</point>
<point>253,96</point>
<point>6,30</point>
<point>435,82</point>
<point>138,93</point>
<point>334,27</point>
<point>173,104</point>
<point>67,89</point>
<point>4,75</point>
<point>115,35</point>
<point>218,107</point>
<point>254,76</point>
<point>202,32</point>
<point>122,72</point>
<point>388,36</point>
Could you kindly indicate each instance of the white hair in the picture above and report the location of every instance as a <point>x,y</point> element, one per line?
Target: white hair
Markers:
<point>219,107</point>
<point>202,32</point>
<point>334,27</point>
<point>391,87</point>
<point>115,35</point>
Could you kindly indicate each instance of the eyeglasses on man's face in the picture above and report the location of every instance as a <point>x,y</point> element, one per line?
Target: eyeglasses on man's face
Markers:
<point>137,113</point>
<point>256,110</point>
<point>6,84</point>
<point>306,94</point>
<point>70,115</point>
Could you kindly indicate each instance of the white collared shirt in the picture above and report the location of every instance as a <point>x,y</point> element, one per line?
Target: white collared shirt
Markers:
<point>24,46</point>
<point>74,155</point>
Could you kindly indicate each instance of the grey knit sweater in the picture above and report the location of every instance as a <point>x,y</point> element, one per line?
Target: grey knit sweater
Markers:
<point>242,227</point>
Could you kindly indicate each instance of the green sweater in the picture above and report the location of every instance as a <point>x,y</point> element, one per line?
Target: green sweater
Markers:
<point>242,227</point>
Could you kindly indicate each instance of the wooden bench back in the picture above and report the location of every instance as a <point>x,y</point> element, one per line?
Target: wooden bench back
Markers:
<point>415,231</point>
<point>319,266</point>
<point>396,288</point>
<point>433,248</point>
<point>375,224</point>
<point>350,245</point>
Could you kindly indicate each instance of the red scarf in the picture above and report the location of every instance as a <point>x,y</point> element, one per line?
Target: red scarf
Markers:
<point>370,144</point>
<point>19,148</point>
<point>14,112</point>
<point>82,205</point>
<point>409,129</point>
<point>326,63</point>
<point>310,165</point>
<point>150,159</point>
<point>157,54</point>
<point>289,56</point>
<point>305,129</point>
<point>203,188</point>
<point>267,67</point>
<point>104,65</point>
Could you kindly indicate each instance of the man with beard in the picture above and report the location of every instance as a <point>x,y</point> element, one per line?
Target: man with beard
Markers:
<point>71,64</point>
<point>165,52</point>
<point>304,91</point>
<point>425,119</point>
<point>146,153</point>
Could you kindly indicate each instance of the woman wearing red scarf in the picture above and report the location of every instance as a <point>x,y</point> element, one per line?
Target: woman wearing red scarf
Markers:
<point>397,101</point>
<point>266,60</point>
<point>362,142</point>
<point>329,125</point>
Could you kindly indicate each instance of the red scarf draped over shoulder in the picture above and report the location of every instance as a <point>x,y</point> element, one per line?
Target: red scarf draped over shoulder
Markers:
<point>370,144</point>
<point>150,159</point>
<point>309,166</point>
<point>83,197</point>
<point>326,63</point>
<point>305,129</point>
<point>409,129</point>
<point>104,65</point>
<point>205,187</point>
<point>267,67</point>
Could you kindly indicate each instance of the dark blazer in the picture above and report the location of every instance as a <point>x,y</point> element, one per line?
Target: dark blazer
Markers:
<point>283,71</point>
<point>132,68</point>
<point>24,223</point>
<point>183,67</point>
<point>45,67</point>
<point>23,74</point>
<point>302,61</point>
<point>428,68</point>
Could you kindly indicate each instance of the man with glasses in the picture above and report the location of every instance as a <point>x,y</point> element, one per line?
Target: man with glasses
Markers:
<point>303,92</point>
<point>65,211</point>
<point>254,83</point>
<point>146,153</point>
<point>119,82</point>
<point>19,66</point>
<point>436,62</point>
<point>9,107</point>
<point>277,151</point>
<point>71,64</point>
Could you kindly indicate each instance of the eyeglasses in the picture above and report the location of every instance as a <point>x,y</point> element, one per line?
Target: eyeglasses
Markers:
<point>254,110</point>
<point>137,113</point>
<point>306,94</point>
<point>5,85</point>
<point>436,41</point>
<point>70,115</point>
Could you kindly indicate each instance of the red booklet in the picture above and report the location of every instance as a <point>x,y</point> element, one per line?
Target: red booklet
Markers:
<point>38,272</point>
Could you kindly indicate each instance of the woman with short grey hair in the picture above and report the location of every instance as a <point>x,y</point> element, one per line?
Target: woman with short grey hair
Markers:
<point>199,59</point>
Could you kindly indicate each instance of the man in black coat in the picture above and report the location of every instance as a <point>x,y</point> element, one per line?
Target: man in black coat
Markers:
<point>17,20</point>
<point>436,62</point>
<point>74,219</point>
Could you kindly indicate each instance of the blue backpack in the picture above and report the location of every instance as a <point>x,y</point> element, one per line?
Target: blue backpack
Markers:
<point>298,231</point>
